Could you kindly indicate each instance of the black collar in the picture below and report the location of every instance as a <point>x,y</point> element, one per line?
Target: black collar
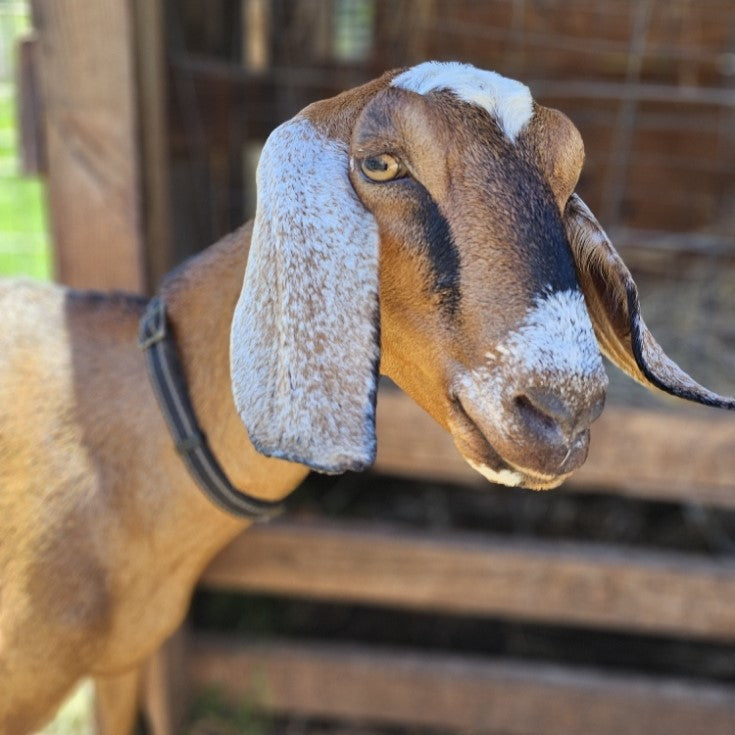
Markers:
<point>169,384</point>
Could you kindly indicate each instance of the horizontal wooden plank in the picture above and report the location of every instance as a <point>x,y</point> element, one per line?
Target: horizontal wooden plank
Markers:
<point>568,583</point>
<point>458,693</point>
<point>641,453</point>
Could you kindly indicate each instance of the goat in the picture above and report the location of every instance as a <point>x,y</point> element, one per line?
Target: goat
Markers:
<point>425,225</point>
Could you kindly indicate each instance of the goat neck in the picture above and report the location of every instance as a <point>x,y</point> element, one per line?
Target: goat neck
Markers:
<point>200,299</point>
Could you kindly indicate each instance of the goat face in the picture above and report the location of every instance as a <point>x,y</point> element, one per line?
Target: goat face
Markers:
<point>482,317</point>
<point>445,195</point>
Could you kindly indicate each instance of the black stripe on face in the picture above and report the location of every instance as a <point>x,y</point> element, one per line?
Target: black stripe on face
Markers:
<point>443,255</point>
<point>538,229</point>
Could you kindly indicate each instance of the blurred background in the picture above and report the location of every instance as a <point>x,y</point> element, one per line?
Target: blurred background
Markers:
<point>129,135</point>
<point>24,241</point>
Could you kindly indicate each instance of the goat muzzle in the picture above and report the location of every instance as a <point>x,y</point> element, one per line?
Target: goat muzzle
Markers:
<point>533,437</point>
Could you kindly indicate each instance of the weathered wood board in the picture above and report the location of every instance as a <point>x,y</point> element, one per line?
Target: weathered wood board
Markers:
<point>456,693</point>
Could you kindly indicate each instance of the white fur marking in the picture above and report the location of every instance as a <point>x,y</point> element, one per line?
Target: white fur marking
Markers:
<point>555,345</point>
<point>507,100</point>
<point>555,337</point>
<point>500,477</point>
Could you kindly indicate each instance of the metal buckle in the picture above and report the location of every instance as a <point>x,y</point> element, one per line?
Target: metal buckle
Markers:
<point>153,327</point>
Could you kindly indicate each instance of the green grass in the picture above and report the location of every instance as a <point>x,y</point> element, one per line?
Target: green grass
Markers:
<point>24,242</point>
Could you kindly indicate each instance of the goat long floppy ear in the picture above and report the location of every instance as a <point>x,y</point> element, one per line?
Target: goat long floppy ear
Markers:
<point>612,301</point>
<point>305,333</point>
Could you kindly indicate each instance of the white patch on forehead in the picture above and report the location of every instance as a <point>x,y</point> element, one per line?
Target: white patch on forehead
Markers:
<point>507,100</point>
<point>500,477</point>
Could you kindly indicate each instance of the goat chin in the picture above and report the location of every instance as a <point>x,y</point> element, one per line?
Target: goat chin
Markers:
<point>501,473</point>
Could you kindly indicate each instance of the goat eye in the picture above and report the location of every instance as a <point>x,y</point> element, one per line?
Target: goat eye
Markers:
<point>381,168</point>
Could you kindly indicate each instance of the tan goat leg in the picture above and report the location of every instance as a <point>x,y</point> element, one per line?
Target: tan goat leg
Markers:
<point>116,702</point>
<point>28,698</point>
<point>37,671</point>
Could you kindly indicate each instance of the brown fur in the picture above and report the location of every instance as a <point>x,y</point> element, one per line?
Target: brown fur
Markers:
<point>77,474</point>
<point>469,168</point>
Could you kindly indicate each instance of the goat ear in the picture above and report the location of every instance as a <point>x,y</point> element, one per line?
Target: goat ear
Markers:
<point>305,334</point>
<point>612,301</point>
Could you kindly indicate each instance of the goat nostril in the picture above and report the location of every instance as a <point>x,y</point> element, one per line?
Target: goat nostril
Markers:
<point>536,412</point>
<point>550,412</point>
<point>547,411</point>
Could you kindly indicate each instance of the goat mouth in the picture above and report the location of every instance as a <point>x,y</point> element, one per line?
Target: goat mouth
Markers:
<point>483,457</point>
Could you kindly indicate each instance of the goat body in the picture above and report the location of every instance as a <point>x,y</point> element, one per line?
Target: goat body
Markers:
<point>443,189</point>
<point>103,531</point>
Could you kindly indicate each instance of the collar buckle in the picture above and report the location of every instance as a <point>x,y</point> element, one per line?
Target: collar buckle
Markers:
<point>153,324</point>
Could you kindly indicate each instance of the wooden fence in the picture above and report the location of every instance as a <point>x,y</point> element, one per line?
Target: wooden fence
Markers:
<point>654,455</point>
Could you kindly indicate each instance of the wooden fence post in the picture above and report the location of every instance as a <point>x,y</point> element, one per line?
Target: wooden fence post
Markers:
<point>86,70</point>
